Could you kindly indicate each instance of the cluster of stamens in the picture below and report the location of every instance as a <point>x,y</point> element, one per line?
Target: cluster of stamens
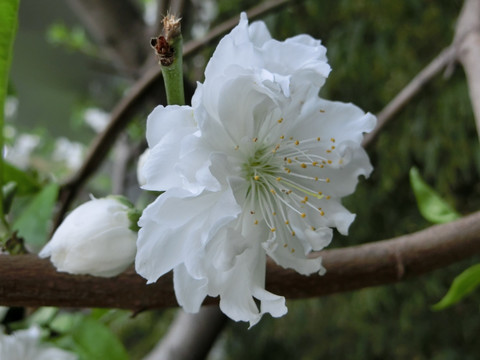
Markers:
<point>286,175</point>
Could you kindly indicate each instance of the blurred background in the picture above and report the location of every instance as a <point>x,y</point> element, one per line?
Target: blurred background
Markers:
<point>67,76</point>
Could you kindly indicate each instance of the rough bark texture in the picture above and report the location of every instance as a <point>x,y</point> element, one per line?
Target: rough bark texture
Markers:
<point>29,281</point>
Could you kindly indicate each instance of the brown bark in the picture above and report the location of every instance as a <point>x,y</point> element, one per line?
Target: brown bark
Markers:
<point>27,280</point>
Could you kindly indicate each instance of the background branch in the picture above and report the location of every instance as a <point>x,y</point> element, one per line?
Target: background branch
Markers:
<point>118,27</point>
<point>30,281</point>
<point>467,41</point>
<point>190,336</point>
<point>408,92</point>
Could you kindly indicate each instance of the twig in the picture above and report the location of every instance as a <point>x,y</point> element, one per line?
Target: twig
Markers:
<point>408,92</point>
<point>124,110</point>
<point>30,281</point>
<point>467,40</point>
<point>117,26</point>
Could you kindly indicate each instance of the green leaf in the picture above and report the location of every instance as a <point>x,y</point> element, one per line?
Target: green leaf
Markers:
<point>431,205</point>
<point>95,341</point>
<point>463,285</point>
<point>8,27</point>
<point>26,184</point>
<point>33,223</point>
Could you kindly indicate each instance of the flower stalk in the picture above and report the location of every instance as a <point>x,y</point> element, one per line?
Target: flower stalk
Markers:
<point>168,47</point>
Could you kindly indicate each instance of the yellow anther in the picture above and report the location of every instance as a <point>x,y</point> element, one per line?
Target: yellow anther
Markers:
<point>305,198</point>
<point>293,250</point>
<point>303,215</point>
<point>237,147</point>
<point>313,228</point>
<point>255,139</point>
<point>289,161</point>
<point>282,137</point>
<point>256,177</point>
<point>332,139</point>
<point>318,138</point>
<point>285,245</point>
<point>333,147</point>
<point>322,111</point>
<point>273,229</point>
<point>255,222</point>
<point>320,193</point>
<point>293,233</point>
<point>328,197</point>
<point>303,165</point>
<point>290,138</point>
<point>316,178</point>
<point>288,170</point>
<point>274,213</point>
<point>322,166</point>
<point>322,212</point>
<point>315,163</point>
<point>296,142</point>
<point>287,222</point>
<point>328,151</point>
<point>273,191</point>
<point>327,180</point>
<point>329,161</point>
<point>280,120</point>
<point>278,178</point>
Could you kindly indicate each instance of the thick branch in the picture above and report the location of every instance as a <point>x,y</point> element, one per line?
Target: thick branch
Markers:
<point>30,281</point>
<point>467,40</point>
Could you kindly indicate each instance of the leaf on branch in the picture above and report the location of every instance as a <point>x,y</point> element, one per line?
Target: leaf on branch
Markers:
<point>432,207</point>
<point>463,285</point>
<point>33,223</point>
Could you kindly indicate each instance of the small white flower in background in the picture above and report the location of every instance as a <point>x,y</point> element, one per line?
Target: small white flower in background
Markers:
<point>26,345</point>
<point>69,152</point>
<point>94,239</point>
<point>20,153</point>
<point>97,119</point>
<point>256,166</point>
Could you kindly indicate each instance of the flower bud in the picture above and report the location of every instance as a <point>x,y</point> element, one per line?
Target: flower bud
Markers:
<point>94,239</point>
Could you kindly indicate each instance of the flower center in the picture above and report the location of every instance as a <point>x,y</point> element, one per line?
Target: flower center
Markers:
<point>286,183</point>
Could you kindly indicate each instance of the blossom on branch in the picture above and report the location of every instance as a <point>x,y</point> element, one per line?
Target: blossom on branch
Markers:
<point>256,167</point>
<point>94,239</point>
<point>26,345</point>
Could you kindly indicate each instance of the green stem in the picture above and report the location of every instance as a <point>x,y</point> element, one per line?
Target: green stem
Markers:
<point>173,75</point>
<point>8,27</point>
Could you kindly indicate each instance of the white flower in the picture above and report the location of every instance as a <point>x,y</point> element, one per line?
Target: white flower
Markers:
<point>256,166</point>
<point>94,239</point>
<point>26,345</point>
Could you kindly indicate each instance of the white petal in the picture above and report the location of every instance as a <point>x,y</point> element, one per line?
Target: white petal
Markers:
<point>175,222</point>
<point>190,292</point>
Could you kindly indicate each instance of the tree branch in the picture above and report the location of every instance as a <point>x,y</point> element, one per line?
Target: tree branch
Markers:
<point>30,281</point>
<point>190,336</point>
<point>467,41</point>
<point>408,92</point>
<point>118,27</point>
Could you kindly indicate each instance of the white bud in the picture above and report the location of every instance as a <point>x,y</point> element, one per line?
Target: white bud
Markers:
<point>94,239</point>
